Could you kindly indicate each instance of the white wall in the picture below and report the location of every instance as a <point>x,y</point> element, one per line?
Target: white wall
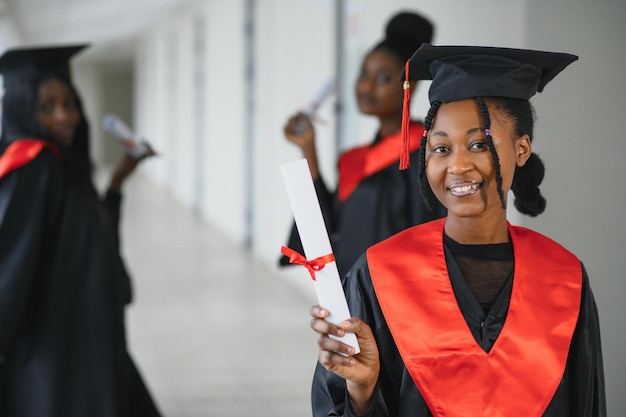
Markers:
<point>87,77</point>
<point>295,56</point>
<point>580,136</point>
<point>202,152</point>
<point>151,104</point>
<point>117,97</point>
<point>104,89</point>
<point>9,34</point>
<point>224,200</point>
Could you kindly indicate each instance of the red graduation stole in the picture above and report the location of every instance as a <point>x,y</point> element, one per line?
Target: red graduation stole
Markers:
<point>21,152</point>
<point>523,369</point>
<point>359,163</point>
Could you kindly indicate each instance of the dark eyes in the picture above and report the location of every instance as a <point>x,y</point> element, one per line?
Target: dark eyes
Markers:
<point>379,78</point>
<point>48,107</point>
<point>479,145</point>
<point>476,146</point>
<point>440,149</point>
<point>383,79</point>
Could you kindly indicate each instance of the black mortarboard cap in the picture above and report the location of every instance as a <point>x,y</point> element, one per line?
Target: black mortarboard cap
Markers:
<point>22,63</point>
<point>460,72</point>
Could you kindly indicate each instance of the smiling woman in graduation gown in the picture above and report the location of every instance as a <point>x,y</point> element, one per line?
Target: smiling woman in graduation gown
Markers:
<point>63,284</point>
<point>469,315</point>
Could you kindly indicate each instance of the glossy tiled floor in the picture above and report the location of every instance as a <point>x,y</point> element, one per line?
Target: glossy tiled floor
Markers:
<point>214,332</point>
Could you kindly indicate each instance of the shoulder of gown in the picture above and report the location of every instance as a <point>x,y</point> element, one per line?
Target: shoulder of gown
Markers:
<point>30,200</point>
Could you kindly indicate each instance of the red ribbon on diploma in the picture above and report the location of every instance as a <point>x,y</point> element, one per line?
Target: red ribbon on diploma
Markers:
<point>314,265</point>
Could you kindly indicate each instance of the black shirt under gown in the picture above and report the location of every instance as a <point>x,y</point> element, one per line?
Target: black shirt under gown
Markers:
<point>63,291</point>
<point>580,393</point>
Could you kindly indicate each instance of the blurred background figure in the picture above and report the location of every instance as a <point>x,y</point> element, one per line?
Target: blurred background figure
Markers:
<point>374,199</point>
<point>63,284</point>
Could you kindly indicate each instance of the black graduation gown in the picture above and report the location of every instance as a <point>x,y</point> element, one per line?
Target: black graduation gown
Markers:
<point>382,205</point>
<point>63,290</point>
<point>580,393</point>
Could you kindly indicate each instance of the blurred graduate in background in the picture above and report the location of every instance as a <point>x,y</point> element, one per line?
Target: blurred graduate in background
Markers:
<point>63,283</point>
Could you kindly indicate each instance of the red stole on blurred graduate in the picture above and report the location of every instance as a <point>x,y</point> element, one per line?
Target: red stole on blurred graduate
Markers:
<point>21,152</point>
<point>359,163</point>
<point>456,377</point>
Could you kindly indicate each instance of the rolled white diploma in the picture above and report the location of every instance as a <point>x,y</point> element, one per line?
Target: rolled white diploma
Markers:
<point>316,244</point>
<point>129,140</point>
<point>320,95</point>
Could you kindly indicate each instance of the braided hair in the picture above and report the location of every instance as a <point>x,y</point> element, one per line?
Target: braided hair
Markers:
<point>421,167</point>
<point>496,159</point>
<point>527,178</point>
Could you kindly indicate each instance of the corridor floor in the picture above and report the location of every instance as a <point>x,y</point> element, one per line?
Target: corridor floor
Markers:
<point>213,331</point>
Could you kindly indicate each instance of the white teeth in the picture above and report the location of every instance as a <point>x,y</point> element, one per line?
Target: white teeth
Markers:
<point>465,188</point>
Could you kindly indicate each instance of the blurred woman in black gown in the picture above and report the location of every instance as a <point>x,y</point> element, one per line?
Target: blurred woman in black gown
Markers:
<point>63,284</point>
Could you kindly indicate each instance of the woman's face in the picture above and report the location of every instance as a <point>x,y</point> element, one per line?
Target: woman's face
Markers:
<point>378,88</point>
<point>57,111</point>
<point>459,165</point>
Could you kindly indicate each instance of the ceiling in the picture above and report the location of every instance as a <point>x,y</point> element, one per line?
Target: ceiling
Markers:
<point>108,25</point>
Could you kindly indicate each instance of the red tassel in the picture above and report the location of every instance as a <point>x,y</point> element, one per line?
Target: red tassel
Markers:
<point>405,157</point>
